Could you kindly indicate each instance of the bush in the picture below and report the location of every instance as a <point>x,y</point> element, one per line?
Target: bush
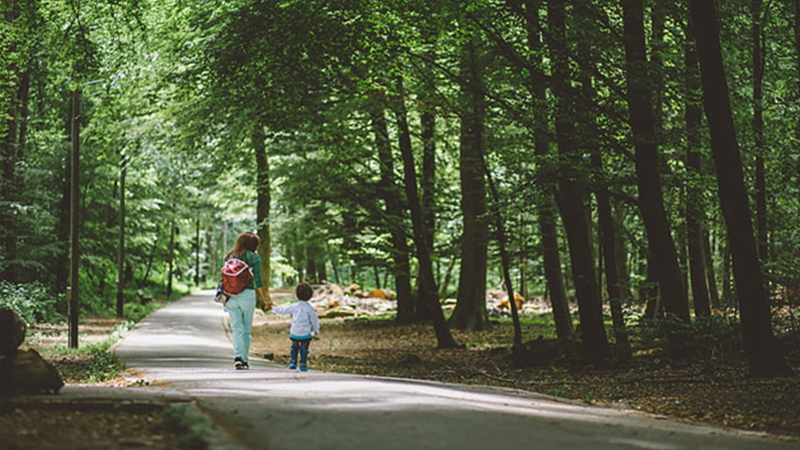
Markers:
<point>32,301</point>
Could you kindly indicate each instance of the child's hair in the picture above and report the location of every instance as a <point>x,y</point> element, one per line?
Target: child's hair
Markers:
<point>304,291</point>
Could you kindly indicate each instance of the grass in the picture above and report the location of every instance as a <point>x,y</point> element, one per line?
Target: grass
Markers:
<point>191,428</point>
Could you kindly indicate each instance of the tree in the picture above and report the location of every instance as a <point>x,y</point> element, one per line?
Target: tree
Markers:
<point>429,294</point>
<point>572,196</point>
<point>651,202</point>
<point>694,200</point>
<point>394,211</point>
<point>470,312</point>
<point>262,203</point>
<point>763,354</point>
<point>546,207</point>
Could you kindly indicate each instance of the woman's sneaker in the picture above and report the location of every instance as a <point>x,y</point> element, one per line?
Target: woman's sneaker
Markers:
<point>238,364</point>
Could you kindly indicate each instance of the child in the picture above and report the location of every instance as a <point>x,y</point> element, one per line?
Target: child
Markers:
<point>305,324</point>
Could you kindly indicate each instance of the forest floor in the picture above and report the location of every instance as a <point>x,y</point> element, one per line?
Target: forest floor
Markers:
<point>714,389</point>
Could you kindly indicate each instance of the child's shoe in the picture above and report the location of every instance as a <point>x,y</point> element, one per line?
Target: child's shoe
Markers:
<point>303,368</point>
<point>292,366</point>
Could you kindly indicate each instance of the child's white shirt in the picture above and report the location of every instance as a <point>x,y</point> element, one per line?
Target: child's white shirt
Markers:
<point>305,322</point>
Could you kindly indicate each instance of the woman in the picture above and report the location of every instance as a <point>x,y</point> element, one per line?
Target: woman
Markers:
<point>241,307</point>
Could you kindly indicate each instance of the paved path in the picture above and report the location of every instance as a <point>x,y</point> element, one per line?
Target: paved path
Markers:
<point>270,407</point>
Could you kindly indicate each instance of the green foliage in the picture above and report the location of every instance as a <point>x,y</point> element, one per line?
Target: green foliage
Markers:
<point>192,428</point>
<point>95,348</point>
<point>32,301</point>
<point>135,311</point>
<point>708,336</point>
<point>715,335</point>
<point>100,366</point>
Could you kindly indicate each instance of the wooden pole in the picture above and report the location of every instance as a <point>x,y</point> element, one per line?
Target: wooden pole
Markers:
<point>74,220</point>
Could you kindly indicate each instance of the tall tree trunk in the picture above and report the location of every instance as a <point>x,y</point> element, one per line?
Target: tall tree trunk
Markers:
<point>546,208</point>
<point>428,137</point>
<point>9,156</point>
<point>711,276</point>
<point>394,215</point>
<point>470,312</point>
<point>428,292</point>
<point>263,198</point>
<point>171,252</point>
<point>123,171</point>
<point>763,354</point>
<point>695,215</point>
<point>651,201</point>
<point>589,138</point>
<point>758,131</point>
<point>617,294</point>
<point>500,230</point>
<point>797,59</point>
<point>571,196</point>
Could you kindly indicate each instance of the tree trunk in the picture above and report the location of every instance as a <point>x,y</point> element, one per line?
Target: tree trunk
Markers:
<point>10,151</point>
<point>617,295</point>
<point>571,197</point>
<point>504,258</point>
<point>394,215</point>
<point>758,132</point>
<point>263,198</point>
<point>695,215</point>
<point>470,312</point>
<point>590,136</point>
<point>711,277</point>
<point>546,208</point>
<point>763,354</point>
<point>171,253</point>
<point>428,293</point>
<point>797,59</point>
<point>123,170</point>
<point>651,201</point>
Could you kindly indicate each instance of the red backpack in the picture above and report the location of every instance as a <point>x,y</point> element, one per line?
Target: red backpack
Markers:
<point>235,276</point>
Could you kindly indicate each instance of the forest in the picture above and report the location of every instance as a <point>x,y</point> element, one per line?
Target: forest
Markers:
<point>637,161</point>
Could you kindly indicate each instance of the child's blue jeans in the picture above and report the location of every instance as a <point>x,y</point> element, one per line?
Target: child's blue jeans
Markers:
<point>300,346</point>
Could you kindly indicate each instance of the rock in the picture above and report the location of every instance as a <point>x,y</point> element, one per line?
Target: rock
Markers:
<point>505,304</point>
<point>378,293</point>
<point>339,312</point>
<point>26,372</point>
<point>12,331</point>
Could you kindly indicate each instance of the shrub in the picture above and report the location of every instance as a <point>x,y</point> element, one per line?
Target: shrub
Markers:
<point>32,301</point>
